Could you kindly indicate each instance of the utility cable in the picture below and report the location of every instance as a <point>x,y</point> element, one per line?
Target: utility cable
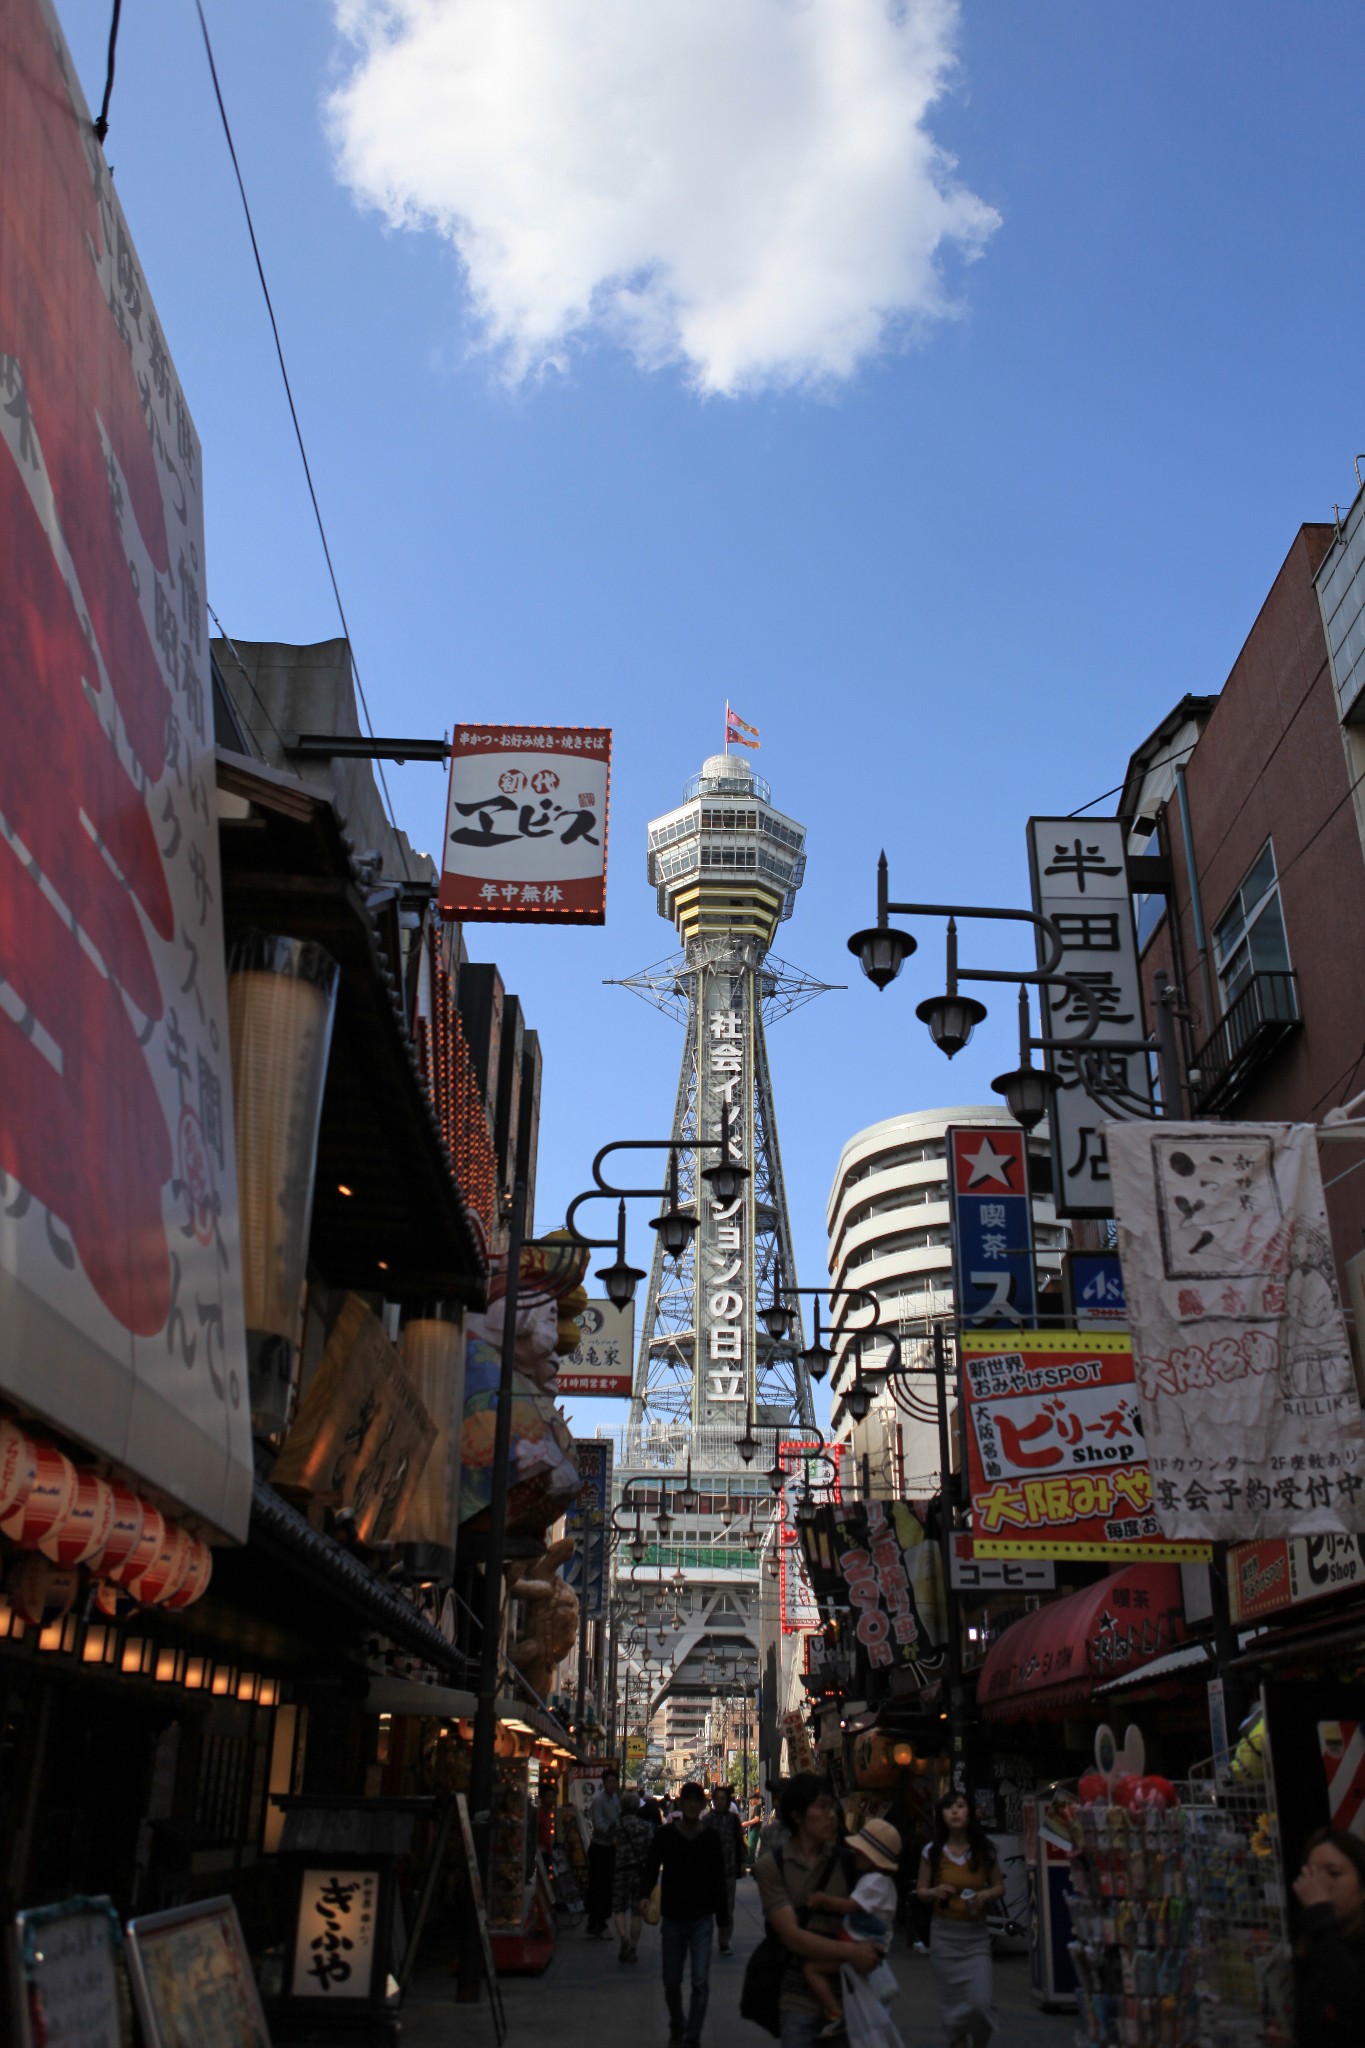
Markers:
<point>245,674</point>
<point>1120,786</point>
<point>102,123</point>
<point>298,430</point>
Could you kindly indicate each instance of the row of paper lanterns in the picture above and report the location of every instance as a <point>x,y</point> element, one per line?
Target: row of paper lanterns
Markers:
<point>72,1517</point>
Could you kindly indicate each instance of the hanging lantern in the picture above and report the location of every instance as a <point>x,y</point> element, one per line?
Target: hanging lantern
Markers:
<point>42,1592</point>
<point>111,1602</point>
<point>125,1532</point>
<point>18,1468</point>
<point>168,1570</point>
<point>281,1002</point>
<point>195,1583</point>
<point>874,1764</point>
<point>144,1550</point>
<point>85,1526</point>
<point>432,1348</point>
<point>47,1502</point>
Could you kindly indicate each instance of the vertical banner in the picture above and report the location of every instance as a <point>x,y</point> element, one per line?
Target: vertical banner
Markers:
<point>1249,1401</point>
<point>724,1341</point>
<point>993,1267</point>
<point>120,1280</point>
<point>820,1467</point>
<point>587,1521</point>
<point>1080,881</point>
<point>526,825</point>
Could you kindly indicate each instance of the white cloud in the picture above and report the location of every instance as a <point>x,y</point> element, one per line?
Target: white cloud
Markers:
<point>746,187</point>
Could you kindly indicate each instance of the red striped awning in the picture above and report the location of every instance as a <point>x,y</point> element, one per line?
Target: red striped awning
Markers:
<point>1062,1652</point>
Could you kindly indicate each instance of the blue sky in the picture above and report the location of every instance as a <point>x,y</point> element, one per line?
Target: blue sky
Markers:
<point>954,582</point>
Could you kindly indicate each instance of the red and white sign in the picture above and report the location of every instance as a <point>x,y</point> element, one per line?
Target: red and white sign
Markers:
<point>1343,1759</point>
<point>120,1281</point>
<point>1280,1572</point>
<point>1056,1458</point>
<point>603,1362</point>
<point>526,825</point>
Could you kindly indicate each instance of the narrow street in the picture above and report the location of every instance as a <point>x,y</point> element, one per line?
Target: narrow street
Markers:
<point>586,1998</point>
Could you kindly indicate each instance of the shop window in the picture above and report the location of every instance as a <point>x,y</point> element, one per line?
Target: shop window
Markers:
<point>1249,938</point>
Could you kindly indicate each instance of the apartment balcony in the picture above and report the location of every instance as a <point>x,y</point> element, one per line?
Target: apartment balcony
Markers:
<point>1262,1015</point>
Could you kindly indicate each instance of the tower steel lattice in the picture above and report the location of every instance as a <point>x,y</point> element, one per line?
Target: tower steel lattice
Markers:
<point>726,867</point>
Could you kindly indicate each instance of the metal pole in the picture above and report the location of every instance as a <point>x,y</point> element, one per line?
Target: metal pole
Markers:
<point>945,1537</point>
<point>486,1714</point>
<point>1164,997</point>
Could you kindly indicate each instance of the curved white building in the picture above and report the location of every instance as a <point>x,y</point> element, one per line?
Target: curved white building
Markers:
<point>889,1231</point>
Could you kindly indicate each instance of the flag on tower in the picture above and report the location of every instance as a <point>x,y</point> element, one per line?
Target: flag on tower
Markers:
<point>735,728</point>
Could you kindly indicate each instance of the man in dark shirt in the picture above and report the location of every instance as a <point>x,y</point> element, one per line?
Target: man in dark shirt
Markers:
<point>686,1858</point>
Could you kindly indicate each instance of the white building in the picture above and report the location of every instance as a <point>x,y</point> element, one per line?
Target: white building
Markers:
<point>890,1232</point>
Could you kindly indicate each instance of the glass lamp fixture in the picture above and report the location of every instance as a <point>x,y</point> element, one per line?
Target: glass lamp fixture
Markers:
<point>620,1279</point>
<point>688,1498</point>
<point>817,1355</point>
<point>882,951</point>
<point>281,1006</point>
<point>747,1445</point>
<point>675,1225</point>
<point>951,1017</point>
<point>858,1399</point>
<point>727,1176</point>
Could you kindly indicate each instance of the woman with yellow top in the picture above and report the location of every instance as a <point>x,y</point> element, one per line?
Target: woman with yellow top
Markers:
<point>959,1877</point>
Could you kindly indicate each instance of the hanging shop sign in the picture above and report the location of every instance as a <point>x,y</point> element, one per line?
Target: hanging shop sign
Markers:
<point>1281,1572</point>
<point>362,1435</point>
<point>1080,881</point>
<point>1056,1456</point>
<point>1244,1371</point>
<point>993,1269</point>
<point>820,1469</point>
<point>526,825</point>
<point>588,1522</point>
<point>973,1574</point>
<point>602,1362</point>
<point>890,1574</point>
<point>120,1280</point>
<point>1092,1290</point>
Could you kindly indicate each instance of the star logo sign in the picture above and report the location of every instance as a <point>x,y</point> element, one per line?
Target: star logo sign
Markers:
<point>989,1165</point>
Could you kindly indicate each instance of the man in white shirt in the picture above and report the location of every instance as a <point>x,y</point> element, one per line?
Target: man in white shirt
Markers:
<point>605,1815</point>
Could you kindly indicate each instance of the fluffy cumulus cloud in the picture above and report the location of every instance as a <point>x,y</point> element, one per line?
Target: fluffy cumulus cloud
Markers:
<point>745,187</point>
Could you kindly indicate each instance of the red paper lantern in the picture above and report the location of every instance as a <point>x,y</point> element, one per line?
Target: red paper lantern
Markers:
<point>168,1570</point>
<point>47,1502</point>
<point>144,1550</point>
<point>42,1592</point>
<point>18,1468</point>
<point>85,1526</point>
<point>196,1580</point>
<point>125,1532</point>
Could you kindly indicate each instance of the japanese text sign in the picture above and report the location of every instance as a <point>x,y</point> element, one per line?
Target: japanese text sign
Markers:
<point>587,1522</point>
<point>892,1578</point>
<point>1284,1572</point>
<point>1056,1457</point>
<point>120,1284</point>
<point>1093,1283</point>
<point>602,1363</point>
<point>526,825</point>
<point>820,1468</point>
<point>992,1225</point>
<point>335,1935</point>
<point>1243,1364</point>
<point>1080,881</point>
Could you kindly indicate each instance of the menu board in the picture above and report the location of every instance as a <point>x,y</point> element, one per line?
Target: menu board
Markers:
<point>66,1975</point>
<point>192,1981</point>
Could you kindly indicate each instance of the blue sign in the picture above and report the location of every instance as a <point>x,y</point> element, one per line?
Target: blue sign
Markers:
<point>1097,1295</point>
<point>993,1270</point>
<point>587,1522</point>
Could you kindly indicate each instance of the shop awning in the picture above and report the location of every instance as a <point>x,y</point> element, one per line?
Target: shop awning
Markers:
<point>1062,1653</point>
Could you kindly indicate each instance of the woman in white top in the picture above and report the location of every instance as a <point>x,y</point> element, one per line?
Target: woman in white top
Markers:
<point>959,1876</point>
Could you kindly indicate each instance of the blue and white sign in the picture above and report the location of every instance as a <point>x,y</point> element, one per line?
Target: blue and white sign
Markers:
<point>993,1270</point>
<point>1098,1301</point>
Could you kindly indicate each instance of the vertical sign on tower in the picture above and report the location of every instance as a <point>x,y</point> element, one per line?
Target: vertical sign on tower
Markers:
<point>1080,881</point>
<point>724,1269</point>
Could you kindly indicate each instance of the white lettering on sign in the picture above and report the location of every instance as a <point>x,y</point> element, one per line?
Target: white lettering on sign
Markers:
<point>725,1386</point>
<point>724,1279</point>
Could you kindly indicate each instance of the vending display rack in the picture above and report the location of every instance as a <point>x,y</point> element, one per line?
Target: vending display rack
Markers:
<point>1133,1943</point>
<point>1245,1969</point>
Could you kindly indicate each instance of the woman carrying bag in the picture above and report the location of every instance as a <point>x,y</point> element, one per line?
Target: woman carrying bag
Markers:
<point>959,1878</point>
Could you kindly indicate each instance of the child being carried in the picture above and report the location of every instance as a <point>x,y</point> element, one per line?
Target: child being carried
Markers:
<point>869,1912</point>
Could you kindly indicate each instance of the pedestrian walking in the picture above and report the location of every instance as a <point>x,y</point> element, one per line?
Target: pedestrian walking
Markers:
<point>724,1822</point>
<point>753,1829</point>
<point>868,1913</point>
<point>959,1877</point>
<point>633,1837</point>
<point>805,1861</point>
<point>605,1815</point>
<point>685,1859</point>
<point>1329,1961</point>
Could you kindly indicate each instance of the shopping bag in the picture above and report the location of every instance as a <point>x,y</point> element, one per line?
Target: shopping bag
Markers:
<point>761,1991</point>
<point>882,1982</point>
<point>867,2022</point>
<point>652,1904</point>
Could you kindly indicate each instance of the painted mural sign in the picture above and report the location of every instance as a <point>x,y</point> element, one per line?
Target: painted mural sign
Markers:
<point>1056,1451</point>
<point>526,825</point>
<point>1243,1364</point>
<point>120,1285</point>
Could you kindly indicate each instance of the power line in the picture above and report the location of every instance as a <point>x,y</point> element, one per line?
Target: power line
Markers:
<point>102,123</point>
<point>1120,786</point>
<point>298,430</point>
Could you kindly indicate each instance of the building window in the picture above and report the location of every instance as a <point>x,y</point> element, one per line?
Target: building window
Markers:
<point>1249,937</point>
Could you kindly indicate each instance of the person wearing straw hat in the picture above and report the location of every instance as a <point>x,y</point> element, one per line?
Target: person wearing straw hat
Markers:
<point>868,1913</point>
